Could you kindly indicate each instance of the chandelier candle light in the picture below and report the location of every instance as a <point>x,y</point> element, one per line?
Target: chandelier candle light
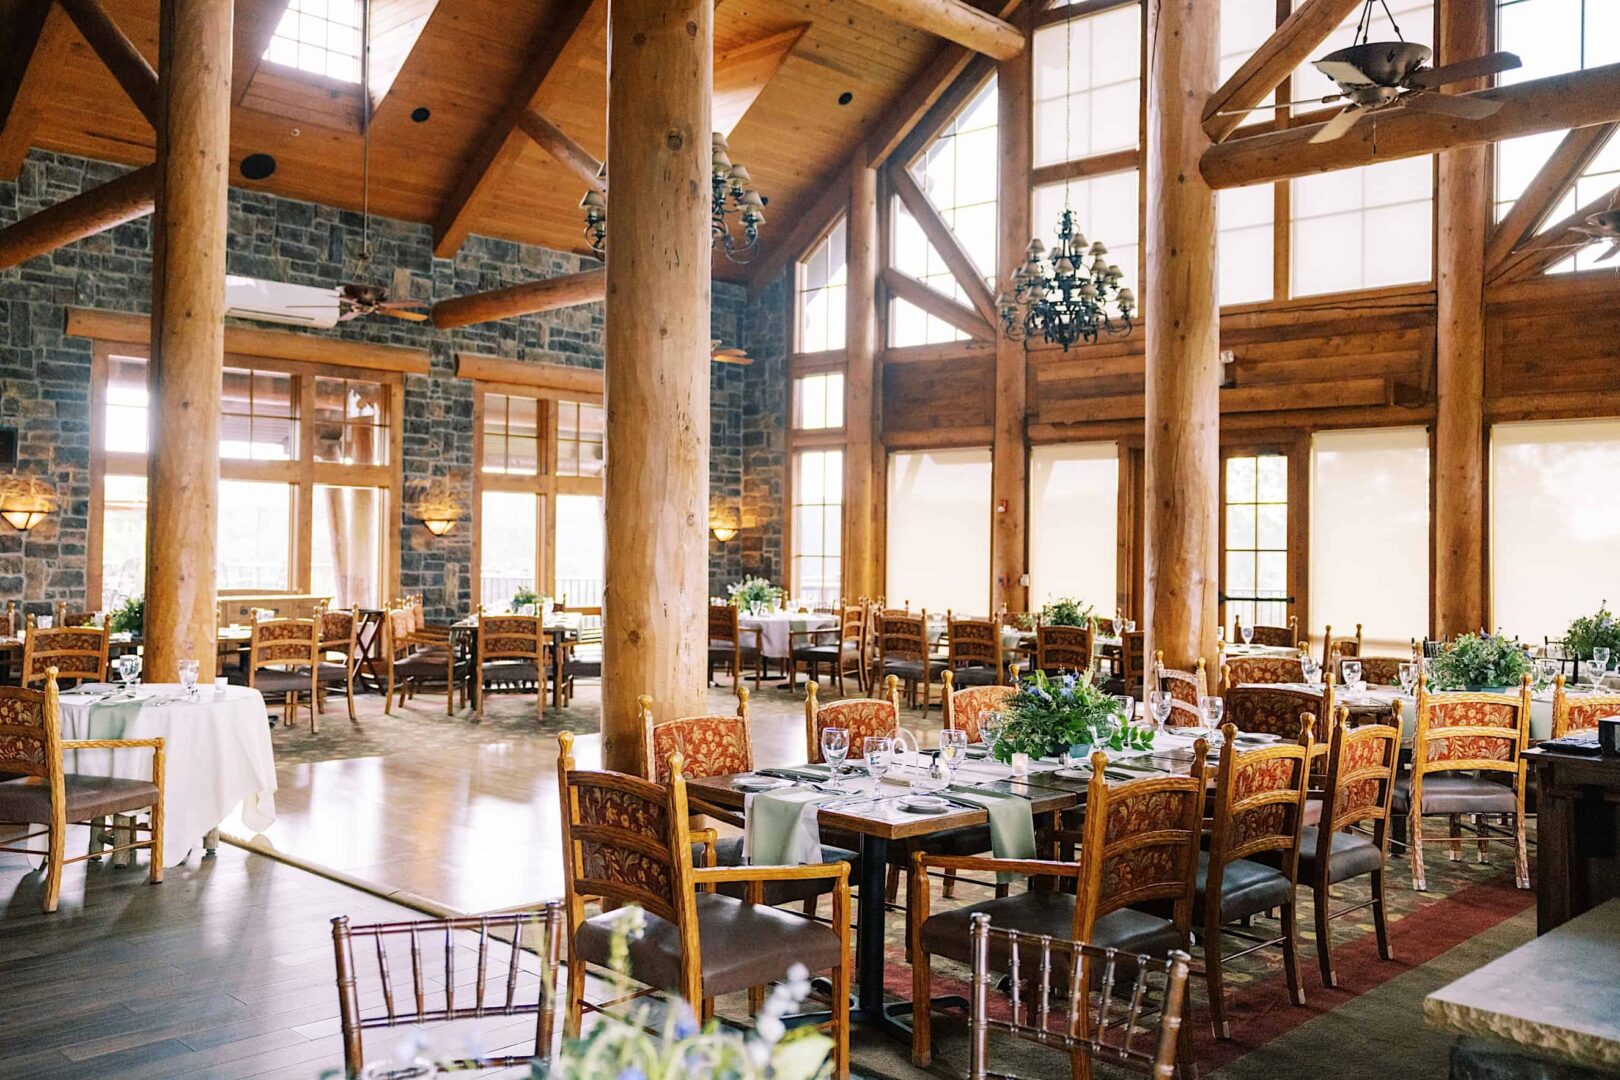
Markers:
<point>732,193</point>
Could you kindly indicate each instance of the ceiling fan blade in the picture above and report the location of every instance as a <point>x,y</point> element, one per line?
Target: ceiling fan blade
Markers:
<point>1614,249</point>
<point>1342,72</point>
<point>1478,68</point>
<point>396,305</point>
<point>1339,126</point>
<point>395,313</point>
<point>1462,107</point>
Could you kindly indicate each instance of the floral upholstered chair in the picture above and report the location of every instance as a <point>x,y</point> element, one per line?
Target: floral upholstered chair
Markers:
<point>284,659</point>
<point>861,717</point>
<point>1063,648</point>
<point>966,707</point>
<point>1375,670</point>
<point>1468,760</point>
<point>973,652</point>
<point>1258,670</point>
<point>1185,688</point>
<point>1580,713</point>
<point>511,653</point>
<point>418,659</point>
<point>1270,710</point>
<point>904,653</point>
<point>338,656</point>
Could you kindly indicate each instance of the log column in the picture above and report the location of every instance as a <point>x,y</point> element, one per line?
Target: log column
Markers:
<point>188,334</point>
<point>860,350</point>
<point>1459,460</point>
<point>1181,307</point>
<point>1009,473</point>
<point>655,607</point>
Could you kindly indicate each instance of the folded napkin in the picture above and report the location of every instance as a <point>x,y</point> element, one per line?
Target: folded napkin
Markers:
<point>1012,823</point>
<point>781,827</point>
<point>110,719</point>
<point>812,773</point>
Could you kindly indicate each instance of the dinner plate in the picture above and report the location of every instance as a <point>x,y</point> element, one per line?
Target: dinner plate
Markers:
<point>756,784</point>
<point>924,804</point>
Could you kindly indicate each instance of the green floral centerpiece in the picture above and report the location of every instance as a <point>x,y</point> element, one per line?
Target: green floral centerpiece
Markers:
<point>1479,662</point>
<point>1048,716</point>
<point>525,598</point>
<point>128,617</point>
<point>750,589</point>
<point>1066,611</point>
<point>1598,631</point>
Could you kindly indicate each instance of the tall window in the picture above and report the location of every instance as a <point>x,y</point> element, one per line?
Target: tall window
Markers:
<point>1364,227</point>
<point>1245,26</point>
<point>351,422</point>
<point>258,418</point>
<point>321,37</point>
<point>1256,555</point>
<point>818,401</point>
<point>579,570</point>
<point>123,539</point>
<point>1098,91</point>
<point>1105,209</point>
<point>1553,534</point>
<point>509,546</point>
<point>511,434</point>
<point>818,525</point>
<point>938,535</point>
<point>823,282</point>
<point>1369,549</point>
<point>1245,240</point>
<point>1074,523</point>
<point>350,536</point>
<point>581,439</point>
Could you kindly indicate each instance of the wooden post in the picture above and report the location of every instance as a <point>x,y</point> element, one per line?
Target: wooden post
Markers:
<point>1009,469</point>
<point>1459,469</point>
<point>1182,310</point>
<point>655,607</point>
<point>188,334</point>
<point>860,350</point>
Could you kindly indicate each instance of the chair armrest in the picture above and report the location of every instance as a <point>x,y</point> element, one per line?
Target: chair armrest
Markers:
<point>991,865</point>
<point>111,744</point>
<point>719,813</point>
<point>719,875</point>
<point>708,838</point>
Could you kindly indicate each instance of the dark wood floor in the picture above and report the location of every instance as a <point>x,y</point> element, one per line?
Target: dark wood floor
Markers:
<point>224,970</point>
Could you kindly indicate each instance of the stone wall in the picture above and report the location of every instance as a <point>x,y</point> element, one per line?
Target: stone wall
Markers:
<point>45,375</point>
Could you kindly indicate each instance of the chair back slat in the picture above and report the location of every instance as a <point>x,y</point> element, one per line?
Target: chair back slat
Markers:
<point>1278,637</point>
<point>975,642</point>
<point>1133,659</point>
<point>1185,688</point>
<point>30,731</point>
<point>78,653</point>
<point>1580,713</point>
<point>1362,764</point>
<point>1269,710</point>
<point>1470,731</point>
<point>1336,648</point>
<point>902,636</point>
<point>1259,670</point>
<point>723,624</point>
<point>284,643</point>
<point>1063,648</point>
<point>1375,670</point>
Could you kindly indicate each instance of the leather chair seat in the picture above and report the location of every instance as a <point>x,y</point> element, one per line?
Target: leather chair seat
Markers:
<point>272,681</point>
<point>1351,856</point>
<point>1456,793</point>
<point>948,933</point>
<point>28,800</point>
<point>509,672</point>
<point>912,670</point>
<point>729,852</point>
<point>742,945</point>
<point>976,675</point>
<point>430,664</point>
<point>821,654</point>
<point>1247,888</point>
<point>333,675</point>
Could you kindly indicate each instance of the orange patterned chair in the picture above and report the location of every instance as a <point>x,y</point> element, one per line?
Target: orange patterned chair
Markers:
<point>964,707</point>
<point>1271,710</point>
<point>1376,670</point>
<point>78,653</point>
<point>627,840</point>
<point>1465,746</point>
<point>1061,649</point>
<point>1185,688</point>
<point>861,717</point>
<point>1580,713</point>
<point>1139,847</point>
<point>1259,670</point>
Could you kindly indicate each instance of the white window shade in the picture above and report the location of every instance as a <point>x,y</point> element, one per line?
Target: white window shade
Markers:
<point>1555,533</point>
<point>938,550</point>
<point>1074,523</point>
<point>1369,547</point>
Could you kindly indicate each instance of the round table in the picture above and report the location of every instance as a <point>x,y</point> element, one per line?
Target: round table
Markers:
<point>216,748</point>
<point>776,629</point>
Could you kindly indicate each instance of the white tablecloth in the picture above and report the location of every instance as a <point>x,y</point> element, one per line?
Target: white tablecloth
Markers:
<point>217,757</point>
<point>774,631</point>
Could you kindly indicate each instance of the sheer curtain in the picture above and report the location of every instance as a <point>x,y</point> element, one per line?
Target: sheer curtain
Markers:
<point>1074,523</point>
<point>939,530</point>
<point>1555,527</point>
<point>1369,550</point>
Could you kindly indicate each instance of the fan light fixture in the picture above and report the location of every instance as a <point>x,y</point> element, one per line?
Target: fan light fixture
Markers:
<point>25,501</point>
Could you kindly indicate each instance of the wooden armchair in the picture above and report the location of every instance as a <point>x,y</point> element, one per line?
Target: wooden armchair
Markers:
<point>512,653</point>
<point>964,708</point>
<point>492,938</point>
<point>339,655</point>
<point>1258,813</point>
<point>45,793</point>
<point>284,659</point>
<point>726,637</point>
<point>1460,740</point>
<point>1581,713</point>
<point>904,653</point>
<point>1259,670</point>
<point>1139,846</point>
<point>78,653</point>
<point>1272,710</point>
<point>627,840</point>
<point>418,659</point>
<point>1185,688</point>
<point>1063,648</point>
<point>1278,637</point>
<point>1334,648</point>
<point>837,648</point>
<point>973,652</point>
<point>861,717</point>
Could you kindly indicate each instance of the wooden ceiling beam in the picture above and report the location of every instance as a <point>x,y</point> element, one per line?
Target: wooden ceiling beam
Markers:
<point>547,294</point>
<point>578,21</point>
<point>1551,245</point>
<point>944,241</point>
<point>255,26</point>
<point>956,21</point>
<point>1289,46</point>
<point>1556,176</point>
<point>120,55</point>
<point>1571,100</point>
<point>42,35</point>
<point>86,214</point>
<point>556,142</point>
<point>742,73</point>
<point>921,295</point>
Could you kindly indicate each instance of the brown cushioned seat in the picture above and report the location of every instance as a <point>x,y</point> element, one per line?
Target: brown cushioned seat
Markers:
<point>912,670</point>
<point>330,674</point>
<point>826,654</point>
<point>1456,793</point>
<point>516,671</point>
<point>976,675</point>
<point>947,933</point>
<point>430,662</point>
<point>728,852</point>
<point>1352,855</point>
<point>742,945</point>
<point>271,681</point>
<point>1247,888</point>
<point>29,800</point>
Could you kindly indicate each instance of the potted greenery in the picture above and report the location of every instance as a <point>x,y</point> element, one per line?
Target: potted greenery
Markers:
<point>751,590</point>
<point>128,617</point>
<point>1051,717</point>
<point>1597,631</point>
<point>1066,611</point>
<point>1479,662</point>
<point>525,601</point>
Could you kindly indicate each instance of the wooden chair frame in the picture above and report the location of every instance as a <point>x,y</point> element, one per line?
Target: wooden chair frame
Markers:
<point>1055,643</point>
<point>1338,646</point>
<point>657,765</point>
<point>333,640</point>
<point>1240,671</point>
<point>903,638</point>
<point>1277,637</point>
<point>974,643</point>
<point>401,643</point>
<point>289,652</point>
<point>52,769</point>
<point>1185,688</point>
<point>510,637</point>
<point>953,700</point>
<point>41,652</point>
<point>850,635</point>
<point>731,632</point>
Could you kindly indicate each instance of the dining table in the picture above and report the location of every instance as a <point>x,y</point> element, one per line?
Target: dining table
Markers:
<point>775,629</point>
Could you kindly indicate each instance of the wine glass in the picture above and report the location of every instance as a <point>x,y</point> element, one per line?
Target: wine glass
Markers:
<point>1351,671</point>
<point>1130,626</point>
<point>877,750</point>
<point>1159,703</point>
<point>1313,670</point>
<point>1600,658</point>
<point>952,749</point>
<point>990,725</point>
<point>1248,634</point>
<point>1127,708</point>
<point>129,668</point>
<point>188,670</point>
<point>835,747</point>
<point>1408,676</point>
<point>1210,708</point>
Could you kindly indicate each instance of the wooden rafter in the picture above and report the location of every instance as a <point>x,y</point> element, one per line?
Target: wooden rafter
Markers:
<point>556,142</point>
<point>42,35</point>
<point>1552,245</point>
<point>956,21</point>
<point>921,295</point>
<point>1574,99</point>
<point>547,294</point>
<point>86,214</point>
<point>945,242</point>
<point>120,55</point>
<point>577,23</point>
<point>740,74</point>
<point>1556,176</point>
<point>1288,47</point>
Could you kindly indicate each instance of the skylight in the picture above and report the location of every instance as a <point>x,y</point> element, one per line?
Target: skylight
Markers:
<point>321,37</point>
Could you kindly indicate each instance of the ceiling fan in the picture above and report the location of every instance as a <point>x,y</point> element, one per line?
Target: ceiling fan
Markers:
<point>357,299</point>
<point>728,354</point>
<point>1376,75</point>
<point>1597,228</point>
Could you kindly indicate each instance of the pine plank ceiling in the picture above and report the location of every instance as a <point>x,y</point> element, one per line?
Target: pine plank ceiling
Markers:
<point>468,62</point>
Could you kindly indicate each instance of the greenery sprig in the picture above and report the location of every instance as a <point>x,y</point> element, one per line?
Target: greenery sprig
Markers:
<point>1471,661</point>
<point>1066,611</point>
<point>1597,631</point>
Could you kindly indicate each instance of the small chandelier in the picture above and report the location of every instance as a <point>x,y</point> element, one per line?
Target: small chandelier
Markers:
<point>25,501</point>
<point>732,192</point>
<point>1069,303</point>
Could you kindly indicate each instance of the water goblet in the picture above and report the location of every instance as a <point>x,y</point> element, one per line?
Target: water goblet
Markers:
<point>952,749</point>
<point>1408,676</point>
<point>877,750</point>
<point>1313,670</point>
<point>835,747</point>
<point>1210,709</point>
<point>1159,704</point>
<point>1127,708</point>
<point>129,668</point>
<point>990,727</point>
<point>1600,658</point>
<point>1248,634</point>
<point>188,670</point>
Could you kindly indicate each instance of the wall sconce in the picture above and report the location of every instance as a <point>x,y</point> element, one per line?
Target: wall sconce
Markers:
<point>437,509</point>
<point>25,501</point>
<point>723,524</point>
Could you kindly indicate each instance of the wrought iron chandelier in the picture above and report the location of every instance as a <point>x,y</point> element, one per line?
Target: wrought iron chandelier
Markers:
<point>732,193</point>
<point>1069,302</point>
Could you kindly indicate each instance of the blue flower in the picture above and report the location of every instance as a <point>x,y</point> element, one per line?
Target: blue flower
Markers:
<point>685,1024</point>
<point>1068,681</point>
<point>632,1072</point>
